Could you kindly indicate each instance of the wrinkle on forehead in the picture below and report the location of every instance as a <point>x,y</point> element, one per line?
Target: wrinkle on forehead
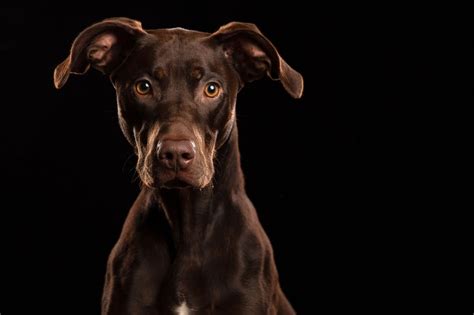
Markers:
<point>173,49</point>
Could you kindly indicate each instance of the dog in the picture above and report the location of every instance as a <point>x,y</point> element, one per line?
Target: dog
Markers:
<point>192,242</point>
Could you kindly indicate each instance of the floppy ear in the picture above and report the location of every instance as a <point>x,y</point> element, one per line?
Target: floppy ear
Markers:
<point>103,46</point>
<point>253,56</point>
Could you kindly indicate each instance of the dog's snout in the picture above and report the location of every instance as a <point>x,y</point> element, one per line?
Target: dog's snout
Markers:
<point>176,154</point>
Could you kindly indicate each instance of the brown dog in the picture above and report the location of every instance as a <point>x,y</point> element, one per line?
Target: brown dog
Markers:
<point>192,242</point>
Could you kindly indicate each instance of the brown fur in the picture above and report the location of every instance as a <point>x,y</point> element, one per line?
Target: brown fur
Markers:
<point>200,243</point>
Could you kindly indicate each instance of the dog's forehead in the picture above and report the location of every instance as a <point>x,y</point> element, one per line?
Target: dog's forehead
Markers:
<point>180,45</point>
<point>175,53</point>
<point>177,33</point>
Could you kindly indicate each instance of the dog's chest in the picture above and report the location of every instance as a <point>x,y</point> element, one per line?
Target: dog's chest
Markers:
<point>182,309</point>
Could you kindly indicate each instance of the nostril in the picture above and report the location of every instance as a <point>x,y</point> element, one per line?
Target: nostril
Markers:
<point>168,155</point>
<point>187,156</point>
<point>176,154</point>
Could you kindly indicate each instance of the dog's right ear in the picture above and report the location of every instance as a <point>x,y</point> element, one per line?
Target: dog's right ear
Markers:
<point>103,46</point>
<point>253,56</point>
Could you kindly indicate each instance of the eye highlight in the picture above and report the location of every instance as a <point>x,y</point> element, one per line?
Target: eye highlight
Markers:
<point>212,89</point>
<point>143,87</point>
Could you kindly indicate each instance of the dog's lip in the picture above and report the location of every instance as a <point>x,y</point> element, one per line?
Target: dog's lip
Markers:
<point>176,183</point>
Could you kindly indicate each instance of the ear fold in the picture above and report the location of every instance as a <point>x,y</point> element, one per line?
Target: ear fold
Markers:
<point>103,46</point>
<point>253,56</point>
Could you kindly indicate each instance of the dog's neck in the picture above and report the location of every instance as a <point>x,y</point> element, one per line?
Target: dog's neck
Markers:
<point>191,212</point>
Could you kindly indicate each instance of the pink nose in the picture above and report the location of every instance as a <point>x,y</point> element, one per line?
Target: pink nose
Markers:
<point>176,154</point>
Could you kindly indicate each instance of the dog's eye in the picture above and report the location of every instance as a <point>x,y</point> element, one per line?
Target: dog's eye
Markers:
<point>212,89</point>
<point>143,87</point>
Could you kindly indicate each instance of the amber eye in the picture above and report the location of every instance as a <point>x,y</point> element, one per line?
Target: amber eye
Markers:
<point>143,87</point>
<point>212,89</point>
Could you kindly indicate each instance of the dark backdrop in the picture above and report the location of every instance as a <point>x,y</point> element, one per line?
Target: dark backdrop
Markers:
<point>322,171</point>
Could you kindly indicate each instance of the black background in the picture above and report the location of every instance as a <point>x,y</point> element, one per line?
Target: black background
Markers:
<point>325,172</point>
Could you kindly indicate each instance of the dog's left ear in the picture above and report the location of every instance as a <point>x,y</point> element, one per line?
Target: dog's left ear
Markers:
<point>103,46</point>
<point>253,56</point>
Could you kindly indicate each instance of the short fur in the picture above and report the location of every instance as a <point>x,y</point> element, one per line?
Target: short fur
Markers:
<point>192,239</point>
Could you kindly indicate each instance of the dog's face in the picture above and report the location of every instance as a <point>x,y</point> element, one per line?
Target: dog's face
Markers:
<point>176,90</point>
<point>176,99</point>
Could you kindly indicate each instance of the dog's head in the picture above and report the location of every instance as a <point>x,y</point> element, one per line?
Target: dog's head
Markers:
<point>176,89</point>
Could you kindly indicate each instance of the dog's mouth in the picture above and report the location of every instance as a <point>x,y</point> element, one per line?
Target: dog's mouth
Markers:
<point>180,180</point>
<point>176,179</point>
<point>176,183</point>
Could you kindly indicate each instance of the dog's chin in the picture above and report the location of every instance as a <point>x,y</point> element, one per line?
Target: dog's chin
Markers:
<point>180,181</point>
<point>176,184</point>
